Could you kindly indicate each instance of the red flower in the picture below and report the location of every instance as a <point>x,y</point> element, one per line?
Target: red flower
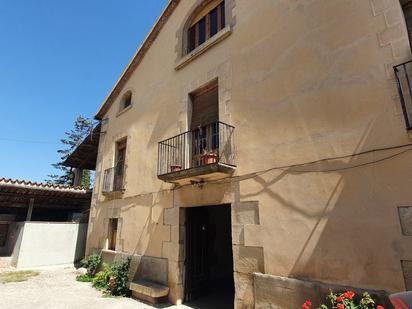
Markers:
<point>307,304</point>
<point>341,306</point>
<point>379,307</point>
<point>349,294</point>
<point>339,299</point>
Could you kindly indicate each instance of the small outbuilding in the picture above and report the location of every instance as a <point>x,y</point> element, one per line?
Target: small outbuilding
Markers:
<point>42,224</point>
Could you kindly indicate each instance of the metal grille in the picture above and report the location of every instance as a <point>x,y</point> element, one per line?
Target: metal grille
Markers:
<point>113,179</point>
<point>210,144</point>
<point>404,88</point>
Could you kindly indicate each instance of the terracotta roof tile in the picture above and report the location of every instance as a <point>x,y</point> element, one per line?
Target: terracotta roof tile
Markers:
<point>39,185</point>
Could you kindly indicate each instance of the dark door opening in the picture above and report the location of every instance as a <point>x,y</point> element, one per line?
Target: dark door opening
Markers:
<point>209,259</point>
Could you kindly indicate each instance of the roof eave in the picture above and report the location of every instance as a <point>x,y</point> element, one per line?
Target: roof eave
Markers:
<point>137,58</point>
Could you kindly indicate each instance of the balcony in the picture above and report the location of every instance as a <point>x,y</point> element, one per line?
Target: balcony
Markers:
<point>404,89</point>
<point>204,153</point>
<point>113,180</point>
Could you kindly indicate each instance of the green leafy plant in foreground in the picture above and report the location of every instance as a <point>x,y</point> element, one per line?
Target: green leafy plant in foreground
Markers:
<point>118,279</point>
<point>101,279</point>
<point>84,278</point>
<point>113,279</point>
<point>91,264</point>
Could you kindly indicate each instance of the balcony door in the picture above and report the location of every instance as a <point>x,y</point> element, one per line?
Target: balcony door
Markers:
<point>119,165</point>
<point>204,126</point>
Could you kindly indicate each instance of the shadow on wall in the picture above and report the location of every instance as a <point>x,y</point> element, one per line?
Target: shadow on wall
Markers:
<point>336,221</point>
<point>131,209</point>
<point>13,235</point>
<point>80,247</point>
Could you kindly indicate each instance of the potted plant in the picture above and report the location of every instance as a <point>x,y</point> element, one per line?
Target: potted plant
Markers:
<point>175,168</point>
<point>209,157</point>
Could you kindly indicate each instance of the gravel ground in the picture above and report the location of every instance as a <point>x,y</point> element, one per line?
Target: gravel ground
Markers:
<point>58,289</point>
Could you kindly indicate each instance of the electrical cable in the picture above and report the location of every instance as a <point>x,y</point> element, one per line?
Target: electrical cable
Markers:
<point>289,168</point>
<point>28,141</point>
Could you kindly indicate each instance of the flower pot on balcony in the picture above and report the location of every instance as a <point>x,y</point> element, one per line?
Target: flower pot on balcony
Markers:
<point>175,168</point>
<point>209,158</point>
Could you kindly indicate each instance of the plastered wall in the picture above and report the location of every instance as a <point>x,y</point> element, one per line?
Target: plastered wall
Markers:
<point>49,244</point>
<point>301,81</point>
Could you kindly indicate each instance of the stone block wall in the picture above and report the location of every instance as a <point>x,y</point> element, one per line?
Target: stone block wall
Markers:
<point>246,259</point>
<point>173,251</point>
<point>287,293</point>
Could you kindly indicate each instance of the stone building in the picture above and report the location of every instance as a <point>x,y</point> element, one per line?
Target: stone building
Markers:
<point>259,149</point>
<point>42,224</point>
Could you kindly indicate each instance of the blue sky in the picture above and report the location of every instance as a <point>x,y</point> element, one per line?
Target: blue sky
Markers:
<point>60,59</point>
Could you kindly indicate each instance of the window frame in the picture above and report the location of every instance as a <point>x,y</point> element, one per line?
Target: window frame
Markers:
<point>112,234</point>
<point>198,9</point>
<point>195,27</point>
<point>128,95</point>
<point>120,165</point>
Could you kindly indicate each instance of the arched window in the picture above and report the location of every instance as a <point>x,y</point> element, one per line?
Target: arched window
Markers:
<point>206,24</point>
<point>126,100</point>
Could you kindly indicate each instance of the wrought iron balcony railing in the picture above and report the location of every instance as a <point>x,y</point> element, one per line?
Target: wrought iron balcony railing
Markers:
<point>206,146</point>
<point>113,180</point>
<point>404,88</point>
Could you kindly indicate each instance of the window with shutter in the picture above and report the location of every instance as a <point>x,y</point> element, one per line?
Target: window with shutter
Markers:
<point>205,115</point>
<point>119,165</point>
<point>112,233</point>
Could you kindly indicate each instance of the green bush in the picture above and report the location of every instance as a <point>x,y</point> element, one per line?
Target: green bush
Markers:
<point>84,278</point>
<point>101,279</point>
<point>91,264</point>
<point>119,279</point>
<point>113,278</point>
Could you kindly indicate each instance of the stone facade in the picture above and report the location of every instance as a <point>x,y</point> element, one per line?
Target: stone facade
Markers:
<point>281,292</point>
<point>307,85</point>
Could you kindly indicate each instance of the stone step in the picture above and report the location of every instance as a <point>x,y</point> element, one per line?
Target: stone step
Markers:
<point>149,291</point>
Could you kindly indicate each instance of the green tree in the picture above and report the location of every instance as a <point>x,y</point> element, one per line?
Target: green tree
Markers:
<point>72,139</point>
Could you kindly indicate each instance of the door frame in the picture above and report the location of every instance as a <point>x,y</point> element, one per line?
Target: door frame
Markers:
<point>185,237</point>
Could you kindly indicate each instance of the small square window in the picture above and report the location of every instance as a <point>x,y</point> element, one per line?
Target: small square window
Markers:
<point>125,101</point>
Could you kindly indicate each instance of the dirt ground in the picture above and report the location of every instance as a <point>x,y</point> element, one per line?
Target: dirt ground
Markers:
<point>57,289</point>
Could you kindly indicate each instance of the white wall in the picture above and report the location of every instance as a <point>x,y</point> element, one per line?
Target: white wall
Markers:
<point>51,243</point>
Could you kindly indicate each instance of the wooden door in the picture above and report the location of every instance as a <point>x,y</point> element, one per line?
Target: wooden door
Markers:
<point>205,107</point>
<point>204,126</point>
<point>120,165</point>
<point>197,242</point>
